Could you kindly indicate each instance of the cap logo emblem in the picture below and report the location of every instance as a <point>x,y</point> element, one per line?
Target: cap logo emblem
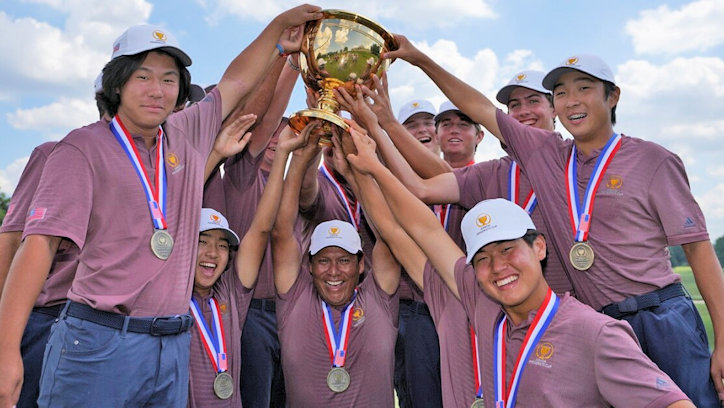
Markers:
<point>215,219</point>
<point>159,36</point>
<point>415,104</point>
<point>520,77</point>
<point>572,60</point>
<point>482,220</point>
<point>333,231</point>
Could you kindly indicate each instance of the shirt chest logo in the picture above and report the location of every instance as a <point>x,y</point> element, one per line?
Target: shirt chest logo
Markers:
<point>358,316</point>
<point>543,353</point>
<point>174,162</point>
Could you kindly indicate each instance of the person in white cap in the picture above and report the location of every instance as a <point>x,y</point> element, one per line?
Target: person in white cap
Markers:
<point>337,334</point>
<point>622,267</point>
<point>221,299</point>
<point>128,194</point>
<point>534,348</point>
<point>458,135</point>
<point>418,117</point>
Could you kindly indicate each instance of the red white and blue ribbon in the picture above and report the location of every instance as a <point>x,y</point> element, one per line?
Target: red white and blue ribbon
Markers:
<point>156,192</point>
<point>212,337</point>
<point>338,337</point>
<point>544,316</point>
<point>442,211</point>
<point>514,189</point>
<point>580,216</point>
<point>352,206</point>
<point>477,372</point>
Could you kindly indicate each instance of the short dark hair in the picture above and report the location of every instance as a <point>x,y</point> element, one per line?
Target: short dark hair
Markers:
<point>118,70</point>
<point>100,104</point>
<point>530,237</point>
<point>609,87</point>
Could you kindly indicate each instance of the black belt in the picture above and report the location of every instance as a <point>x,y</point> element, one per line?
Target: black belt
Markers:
<point>264,304</point>
<point>648,300</point>
<point>155,326</point>
<point>53,311</point>
<point>416,307</point>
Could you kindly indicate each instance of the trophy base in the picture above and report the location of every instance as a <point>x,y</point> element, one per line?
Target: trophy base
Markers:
<point>302,118</point>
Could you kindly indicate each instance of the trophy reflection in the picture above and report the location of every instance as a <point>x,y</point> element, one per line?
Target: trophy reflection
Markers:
<point>341,49</point>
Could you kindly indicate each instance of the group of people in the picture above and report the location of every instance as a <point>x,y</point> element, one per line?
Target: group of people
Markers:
<point>134,271</point>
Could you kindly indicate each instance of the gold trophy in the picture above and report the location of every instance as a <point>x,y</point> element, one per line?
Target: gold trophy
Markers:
<point>340,49</point>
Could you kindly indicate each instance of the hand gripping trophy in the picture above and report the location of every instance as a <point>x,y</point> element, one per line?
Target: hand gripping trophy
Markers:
<point>340,49</point>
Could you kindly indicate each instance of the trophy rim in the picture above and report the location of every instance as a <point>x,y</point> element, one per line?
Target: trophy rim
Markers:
<point>377,27</point>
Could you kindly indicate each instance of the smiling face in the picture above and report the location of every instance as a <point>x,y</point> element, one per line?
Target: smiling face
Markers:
<point>458,136</point>
<point>150,94</point>
<point>336,273</point>
<point>510,273</point>
<point>581,104</point>
<point>531,108</point>
<point>213,256</point>
<point>422,126</point>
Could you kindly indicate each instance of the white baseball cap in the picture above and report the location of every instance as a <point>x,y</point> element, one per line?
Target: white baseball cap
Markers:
<point>414,107</point>
<point>491,221</point>
<point>213,220</point>
<point>145,37</point>
<point>446,107</point>
<point>98,83</point>
<point>527,79</point>
<point>335,233</point>
<point>589,64</point>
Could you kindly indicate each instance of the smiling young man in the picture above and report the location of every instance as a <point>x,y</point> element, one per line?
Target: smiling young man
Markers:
<point>337,333</point>
<point>128,194</point>
<point>418,117</point>
<point>534,348</point>
<point>221,299</point>
<point>643,204</point>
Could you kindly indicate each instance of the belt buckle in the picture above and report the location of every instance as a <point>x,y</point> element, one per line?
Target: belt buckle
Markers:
<point>152,330</point>
<point>628,305</point>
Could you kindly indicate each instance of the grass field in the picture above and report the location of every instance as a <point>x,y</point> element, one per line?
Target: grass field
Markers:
<point>687,279</point>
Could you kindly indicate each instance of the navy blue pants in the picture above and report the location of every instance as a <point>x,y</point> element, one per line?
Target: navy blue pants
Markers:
<point>674,337</point>
<point>262,381</point>
<point>417,358</point>
<point>32,348</point>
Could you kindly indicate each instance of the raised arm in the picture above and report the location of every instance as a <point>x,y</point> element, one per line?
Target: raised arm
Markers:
<point>253,244</point>
<point>414,216</point>
<point>286,254</point>
<point>440,189</point>
<point>469,100</point>
<point>246,70</point>
<point>231,140</point>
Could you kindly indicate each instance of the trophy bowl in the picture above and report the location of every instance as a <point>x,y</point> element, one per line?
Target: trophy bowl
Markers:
<point>342,49</point>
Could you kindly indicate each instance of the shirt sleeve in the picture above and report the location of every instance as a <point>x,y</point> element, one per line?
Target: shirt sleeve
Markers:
<point>625,376</point>
<point>199,123</point>
<point>678,212</point>
<point>23,195</point>
<point>62,204</point>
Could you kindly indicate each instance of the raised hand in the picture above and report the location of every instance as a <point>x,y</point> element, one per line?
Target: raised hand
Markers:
<point>365,160</point>
<point>233,138</point>
<point>405,51</point>
<point>357,106</point>
<point>299,15</point>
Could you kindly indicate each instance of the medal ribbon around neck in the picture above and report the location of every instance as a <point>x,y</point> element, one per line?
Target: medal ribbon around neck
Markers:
<point>514,189</point>
<point>477,372</point>
<point>543,318</point>
<point>155,193</point>
<point>352,206</point>
<point>214,341</point>
<point>338,337</point>
<point>581,216</point>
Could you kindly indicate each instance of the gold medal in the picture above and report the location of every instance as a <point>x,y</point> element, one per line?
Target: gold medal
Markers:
<point>223,385</point>
<point>161,244</point>
<point>338,379</point>
<point>581,256</point>
<point>478,403</point>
